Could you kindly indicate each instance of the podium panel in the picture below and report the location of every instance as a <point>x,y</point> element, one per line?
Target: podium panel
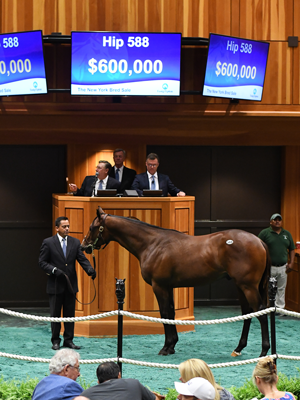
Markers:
<point>116,262</point>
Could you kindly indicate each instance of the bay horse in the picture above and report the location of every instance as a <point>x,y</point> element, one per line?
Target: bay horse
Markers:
<point>171,259</point>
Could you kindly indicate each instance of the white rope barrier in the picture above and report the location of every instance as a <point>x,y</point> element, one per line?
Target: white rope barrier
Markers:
<point>174,366</point>
<point>202,322</point>
<point>152,319</point>
<point>54,319</point>
<point>143,363</point>
<point>146,318</point>
<point>288,313</point>
<point>47,360</point>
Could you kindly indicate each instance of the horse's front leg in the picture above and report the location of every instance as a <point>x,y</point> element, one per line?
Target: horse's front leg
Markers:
<point>166,306</point>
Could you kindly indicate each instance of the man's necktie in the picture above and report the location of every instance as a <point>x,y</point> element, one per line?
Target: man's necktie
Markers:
<point>64,247</point>
<point>100,185</point>
<point>153,183</point>
<point>117,175</point>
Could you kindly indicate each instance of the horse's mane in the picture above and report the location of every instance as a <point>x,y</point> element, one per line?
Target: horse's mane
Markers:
<point>137,221</point>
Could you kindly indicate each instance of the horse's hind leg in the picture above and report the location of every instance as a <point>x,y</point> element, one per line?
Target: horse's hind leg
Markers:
<point>253,302</point>
<point>166,307</point>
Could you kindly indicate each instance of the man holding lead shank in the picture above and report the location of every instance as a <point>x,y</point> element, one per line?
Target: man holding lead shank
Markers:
<point>58,255</point>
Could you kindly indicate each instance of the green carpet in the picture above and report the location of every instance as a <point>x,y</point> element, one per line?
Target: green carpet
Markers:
<point>213,344</point>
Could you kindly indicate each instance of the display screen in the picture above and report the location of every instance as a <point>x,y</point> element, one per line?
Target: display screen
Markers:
<point>235,68</point>
<point>125,64</point>
<point>22,67</point>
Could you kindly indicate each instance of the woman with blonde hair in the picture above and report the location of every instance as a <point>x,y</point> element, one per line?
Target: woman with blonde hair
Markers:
<point>193,368</point>
<point>265,378</point>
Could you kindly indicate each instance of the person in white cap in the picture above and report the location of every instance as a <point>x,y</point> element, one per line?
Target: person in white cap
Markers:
<point>196,388</point>
<point>280,244</point>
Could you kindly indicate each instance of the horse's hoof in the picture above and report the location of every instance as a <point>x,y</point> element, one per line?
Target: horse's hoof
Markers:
<point>236,353</point>
<point>165,352</point>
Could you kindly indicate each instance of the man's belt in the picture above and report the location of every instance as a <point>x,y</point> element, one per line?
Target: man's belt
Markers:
<point>277,265</point>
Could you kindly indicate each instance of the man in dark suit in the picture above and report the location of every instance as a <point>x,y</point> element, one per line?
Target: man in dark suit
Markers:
<point>120,172</point>
<point>93,183</point>
<point>152,180</point>
<point>58,255</point>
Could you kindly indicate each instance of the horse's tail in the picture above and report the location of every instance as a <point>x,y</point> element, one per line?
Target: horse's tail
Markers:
<point>264,283</point>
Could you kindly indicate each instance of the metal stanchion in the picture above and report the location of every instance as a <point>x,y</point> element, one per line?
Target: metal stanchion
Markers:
<point>272,295</point>
<point>120,293</point>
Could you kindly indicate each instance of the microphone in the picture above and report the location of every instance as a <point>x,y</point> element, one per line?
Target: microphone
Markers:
<point>94,183</point>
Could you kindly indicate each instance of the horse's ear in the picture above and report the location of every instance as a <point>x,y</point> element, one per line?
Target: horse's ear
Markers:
<point>99,211</point>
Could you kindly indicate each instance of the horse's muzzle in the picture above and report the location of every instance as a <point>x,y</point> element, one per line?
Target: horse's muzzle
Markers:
<point>87,249</point>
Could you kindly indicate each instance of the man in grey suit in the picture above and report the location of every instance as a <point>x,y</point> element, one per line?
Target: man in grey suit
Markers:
<point>58,255</point>
<point>100,181</point>
<point>153,180</point>
<point>121,173</point>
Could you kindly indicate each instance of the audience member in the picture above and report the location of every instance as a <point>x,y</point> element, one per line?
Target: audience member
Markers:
<point>112,386</point>
<point>193,368</point>
<point>100,181</point>
<point>60,384</point>
<point>121,173</point>
<point>195,388</point>
<point>153,180</point>
<point>265,378</point>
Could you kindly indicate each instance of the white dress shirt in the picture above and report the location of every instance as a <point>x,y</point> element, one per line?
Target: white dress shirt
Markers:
<point>97,187</point>
<point>61,240</point>
<point>150,177</point>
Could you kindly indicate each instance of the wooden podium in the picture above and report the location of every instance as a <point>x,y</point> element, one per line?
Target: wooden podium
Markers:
<point>116,262</point>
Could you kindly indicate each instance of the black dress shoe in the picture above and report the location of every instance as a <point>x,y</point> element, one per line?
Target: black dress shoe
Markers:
<point>72,346</point>
<point>55,346</point>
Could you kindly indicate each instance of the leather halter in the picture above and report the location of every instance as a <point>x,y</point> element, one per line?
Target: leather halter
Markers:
<point>101,229</point>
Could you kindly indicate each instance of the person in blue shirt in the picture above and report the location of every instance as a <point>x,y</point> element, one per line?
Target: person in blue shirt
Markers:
<point>61,383</point>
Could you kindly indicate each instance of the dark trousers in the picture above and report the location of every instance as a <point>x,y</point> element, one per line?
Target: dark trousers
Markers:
<point>65,301</point>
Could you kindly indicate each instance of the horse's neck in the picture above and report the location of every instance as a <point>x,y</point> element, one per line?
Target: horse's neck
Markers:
<point>133,237</point>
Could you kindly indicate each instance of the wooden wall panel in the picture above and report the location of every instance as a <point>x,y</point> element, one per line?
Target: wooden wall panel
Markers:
<point>296,19</point>
<point>191,17</point>
<point>281,19</point>
<point>266,19</point>
<point>296,74</point>
<point>255,19</point>
<point>279,75</point>
<point>23,15</point>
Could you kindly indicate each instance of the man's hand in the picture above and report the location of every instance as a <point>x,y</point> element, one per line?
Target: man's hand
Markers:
<point>289,268</point>
<point>180,194</point>
<point>92,273</point>
<point>73,187</point>
<point>58,272</point>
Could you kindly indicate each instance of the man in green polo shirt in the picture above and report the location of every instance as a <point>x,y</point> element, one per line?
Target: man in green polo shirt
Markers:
<point>280,243</point>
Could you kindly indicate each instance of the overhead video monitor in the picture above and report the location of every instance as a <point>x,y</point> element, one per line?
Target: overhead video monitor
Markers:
<point>125,64</point>
<point>22,67</point>
<point>235,68</point>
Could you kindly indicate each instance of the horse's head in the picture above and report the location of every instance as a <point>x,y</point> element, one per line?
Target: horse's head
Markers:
<point>94,239</point>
